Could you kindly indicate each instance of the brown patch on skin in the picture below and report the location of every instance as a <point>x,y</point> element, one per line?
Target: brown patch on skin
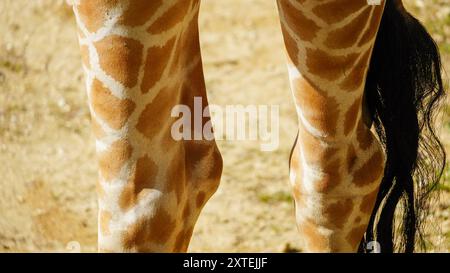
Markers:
<point>105,219</point>
<point>112,160</point>
<point>327,66</point>
<point>313,152</point>
<point>156,114</point>
<point>364,136</point>
<point>348,35</point>
<point>321,111</point>
<point>368,202</point>
<point>196,86</point>
<point>178,54</point>
<point>111,109</point>
<point>181,57</point>
<point>373,25</point>
<point>94,13</point>
<point>165,138</point>
<point>187,51</point>
<point>155,64</point>
<point>85,56</point>
<point>335,11</point>
<point>187,236</point>
<point>120,58</point>
<point>358,220</point>
<point>179,242</point>
<point>351,158</point>
<point>370,171</point>
<point>186,211</point>
<point>97,129</point>
<point>356,77</point>
<point>196,151</point>
<point>331,177</point>
<point>217,165</point>
<point>200,200</point>
<point>171,17</point>
<point>316,242</point>
<point>157,229</point>
<point>355,236</point>
<point>139,12</point>
<point>292,48</point>
<point>176,178</point>
<point>182,240</point>
<point>339,212</point>
<point>352,115</point>
<point>366,116</point>
<point>203,165</point>
<point>141,180</point>
<point>305,28</point>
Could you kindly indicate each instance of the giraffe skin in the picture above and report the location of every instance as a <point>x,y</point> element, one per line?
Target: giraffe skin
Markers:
<point>337,163</point>
<point>141,58</point>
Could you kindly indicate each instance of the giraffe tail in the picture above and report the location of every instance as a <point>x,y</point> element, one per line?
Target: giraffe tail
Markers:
<point>403,93</point>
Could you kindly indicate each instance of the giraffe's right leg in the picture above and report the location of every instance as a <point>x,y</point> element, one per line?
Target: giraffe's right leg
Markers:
<point>141,59</point>
<point>337,163</point>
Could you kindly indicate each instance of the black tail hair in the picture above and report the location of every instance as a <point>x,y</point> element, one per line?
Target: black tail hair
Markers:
<point>403,92</point>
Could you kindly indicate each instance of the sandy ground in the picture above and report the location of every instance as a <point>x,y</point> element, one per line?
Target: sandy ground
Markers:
<point>47,166</point>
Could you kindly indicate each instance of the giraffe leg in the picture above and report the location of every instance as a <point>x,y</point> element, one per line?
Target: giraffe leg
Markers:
<point>142,58</point>
<point>336,164</point>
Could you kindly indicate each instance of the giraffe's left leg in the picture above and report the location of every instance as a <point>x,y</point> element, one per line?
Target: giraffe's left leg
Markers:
<point>337,163</point>
<point>142,59</point>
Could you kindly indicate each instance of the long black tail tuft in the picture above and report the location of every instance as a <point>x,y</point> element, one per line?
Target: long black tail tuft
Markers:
<point>403,92</point>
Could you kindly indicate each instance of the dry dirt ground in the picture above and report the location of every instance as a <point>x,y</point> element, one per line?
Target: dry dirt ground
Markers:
<point>47,166</point>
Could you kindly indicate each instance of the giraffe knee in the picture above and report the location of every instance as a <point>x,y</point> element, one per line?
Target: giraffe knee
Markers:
<point>204,166</point>
<point>335,192</point>
<point>356,163</point>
